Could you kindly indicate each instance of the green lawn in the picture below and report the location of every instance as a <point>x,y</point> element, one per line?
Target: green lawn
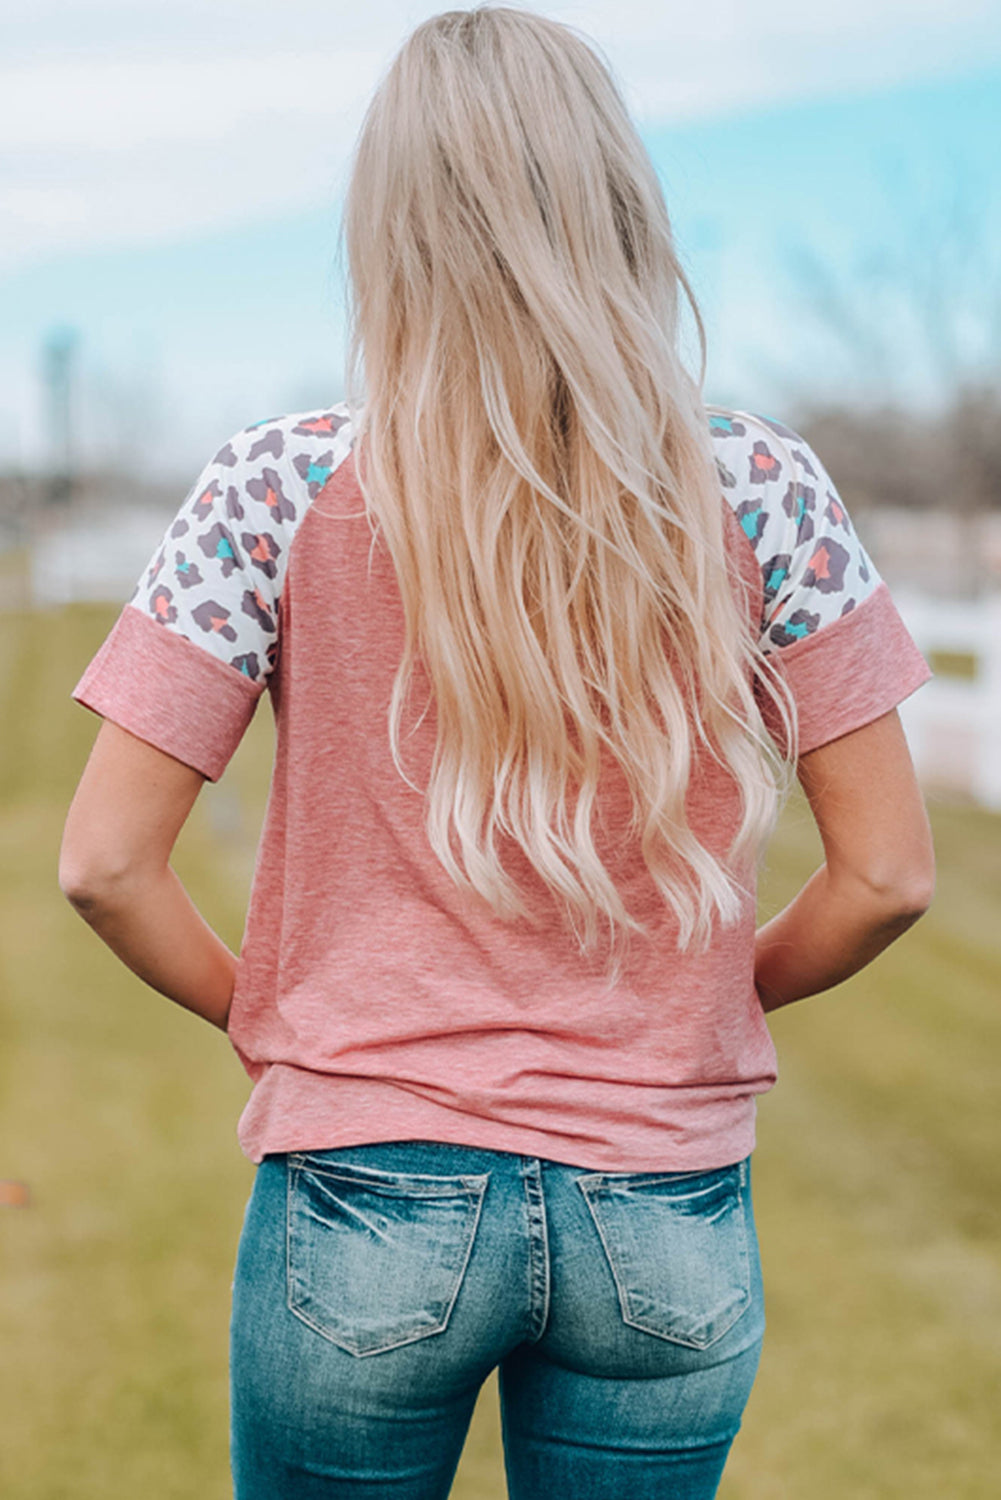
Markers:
<point>877,1170</point>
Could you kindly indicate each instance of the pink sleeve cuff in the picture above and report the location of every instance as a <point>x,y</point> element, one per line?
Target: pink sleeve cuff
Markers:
<point>163,688</point>
<point>852,671</point>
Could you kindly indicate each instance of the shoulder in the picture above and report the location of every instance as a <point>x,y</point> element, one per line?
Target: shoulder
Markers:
<point>813,565</point>
<point>218,573</point>
<point>302,448</point>
<point>755,455</point>
<point>311,443</point>
<point>260,483</point>
<point>264,476</point>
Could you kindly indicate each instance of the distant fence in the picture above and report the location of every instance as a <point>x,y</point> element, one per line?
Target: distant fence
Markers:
<point>953,723</point>
<point>94,555</point>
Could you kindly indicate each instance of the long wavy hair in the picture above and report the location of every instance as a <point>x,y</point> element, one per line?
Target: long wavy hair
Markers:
<point>540,465</point>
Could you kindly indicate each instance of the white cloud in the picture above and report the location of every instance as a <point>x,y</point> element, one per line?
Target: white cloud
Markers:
<point>127,121</point>
<point>129,152</point>
<point>676,62</point>
<point>117,105</point>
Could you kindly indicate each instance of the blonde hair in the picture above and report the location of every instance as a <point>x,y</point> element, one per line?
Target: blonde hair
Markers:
<point>540,464</point>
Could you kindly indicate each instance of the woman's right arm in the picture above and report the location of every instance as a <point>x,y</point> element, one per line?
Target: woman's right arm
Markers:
<point>878,875</point>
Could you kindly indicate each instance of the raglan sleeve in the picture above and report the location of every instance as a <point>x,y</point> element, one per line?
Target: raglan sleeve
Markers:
<point>192,650</point>
<point>829,623</point>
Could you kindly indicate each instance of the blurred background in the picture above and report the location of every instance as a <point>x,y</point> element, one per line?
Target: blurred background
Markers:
<point>171,177</point>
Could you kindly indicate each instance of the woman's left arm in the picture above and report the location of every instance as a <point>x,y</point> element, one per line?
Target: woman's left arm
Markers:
<point>126,814</point>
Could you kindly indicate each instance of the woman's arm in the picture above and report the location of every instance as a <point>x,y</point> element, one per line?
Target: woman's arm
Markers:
<point>129,807</point>
<point>879,871</point>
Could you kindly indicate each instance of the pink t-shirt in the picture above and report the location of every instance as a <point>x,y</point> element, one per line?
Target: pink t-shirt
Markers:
<point>374,1001</point>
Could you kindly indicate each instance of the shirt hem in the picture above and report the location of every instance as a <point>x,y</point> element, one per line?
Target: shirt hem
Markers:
<point>306,1113</point>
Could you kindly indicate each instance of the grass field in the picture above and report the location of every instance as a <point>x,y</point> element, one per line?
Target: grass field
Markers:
<point>877,1171</point>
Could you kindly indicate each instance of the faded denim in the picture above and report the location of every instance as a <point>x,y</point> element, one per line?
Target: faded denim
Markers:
<point>377,1286</point>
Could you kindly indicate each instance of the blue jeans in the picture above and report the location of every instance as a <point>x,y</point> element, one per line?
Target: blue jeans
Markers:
<point>378,1286</point>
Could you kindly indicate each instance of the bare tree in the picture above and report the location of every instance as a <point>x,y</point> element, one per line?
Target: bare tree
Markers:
<point>924,300</point>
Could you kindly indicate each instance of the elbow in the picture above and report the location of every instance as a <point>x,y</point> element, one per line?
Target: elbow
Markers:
<point>915,884</point>
<point>902,895</point>
<point>911,903</point>
<point>86,883</point>
<point>923,893</point>
<point>72,877</point>
<point>81,889</point>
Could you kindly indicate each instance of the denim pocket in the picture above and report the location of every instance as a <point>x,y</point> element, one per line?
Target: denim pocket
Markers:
<point>677,1245</point>
<point>375,1259</point>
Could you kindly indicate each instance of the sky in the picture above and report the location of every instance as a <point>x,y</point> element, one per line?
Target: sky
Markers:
<point>171,177</point>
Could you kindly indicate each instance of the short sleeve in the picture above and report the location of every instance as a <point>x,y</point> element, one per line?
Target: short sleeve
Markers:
<point>828,620</point>
<point>192,650</point>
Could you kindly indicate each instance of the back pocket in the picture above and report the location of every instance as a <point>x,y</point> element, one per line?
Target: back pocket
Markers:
<point>677,1246</point>
<point>376,1259</point>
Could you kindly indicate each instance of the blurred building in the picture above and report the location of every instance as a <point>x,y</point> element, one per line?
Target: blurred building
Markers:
<point>95,554</point>
<point>953,723</point>
<point>944,570</point>
<point>87,544</point>
<point>943,553</point>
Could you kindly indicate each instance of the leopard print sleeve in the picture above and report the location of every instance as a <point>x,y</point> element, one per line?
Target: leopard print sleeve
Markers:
<point>814,568</point>
<point>216,576</point>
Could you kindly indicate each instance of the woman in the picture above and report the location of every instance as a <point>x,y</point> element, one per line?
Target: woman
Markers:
<point>542,634</point>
